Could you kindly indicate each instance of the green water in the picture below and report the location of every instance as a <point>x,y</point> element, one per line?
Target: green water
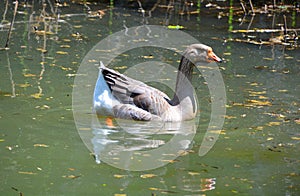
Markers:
<point>42,153</point>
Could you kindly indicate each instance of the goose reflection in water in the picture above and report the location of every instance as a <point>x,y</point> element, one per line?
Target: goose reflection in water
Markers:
<point>124,145</point>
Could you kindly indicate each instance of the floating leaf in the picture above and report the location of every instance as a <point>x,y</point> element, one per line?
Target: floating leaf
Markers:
<point>234,191</point>
<point>285,71</point>
<point>9,148</point>
<point>268,59</point>
<point>183,152</point>
<point>65,68</point>
<point>41,145</point>
<point>240,76</point>
<point>98,13</point>
<point>65,46</point>
<point>289,57</point>
<point>72,75</point>
<point>175,27</point>
<point>27,173</point>
<point>119,194</point>
<point>42,50</point>
<point>169,161</point>
<point>24,85</point>
<point>42,32</point>
<point>119,176</point>
<point>71,176</point>
<point>282,91</point>
<point>61,52</point>
<point>77,36</point>
<point>217,131</point>
<point>280,116</point>
<point>295,138</point>
<point>45,107</point>
<point>260,103</point>
<point>37,95</point>
<point>254,93</point>
<point>42,107</point>
<point>259,128</point>
<point>147,175</point>
<point>93,61</point>
<point>294,174</point>
<point>29,75</point>
<point>77,26</point>
<point>193,173</point>
<point>238,104</point>
<point>262,97</point>
<point>148,57</point>
<point>121,67</point>
<point>5,94</point>
<point>274,123</point>
<point>227,53</point>
<point>153,189</point>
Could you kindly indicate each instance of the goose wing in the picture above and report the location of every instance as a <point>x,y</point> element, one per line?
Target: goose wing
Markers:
<point>134,94</point>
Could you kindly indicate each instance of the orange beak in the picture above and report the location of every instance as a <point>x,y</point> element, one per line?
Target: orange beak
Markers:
<point>212,57</point>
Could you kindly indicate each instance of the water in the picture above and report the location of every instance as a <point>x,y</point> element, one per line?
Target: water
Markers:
<point>42,153</point>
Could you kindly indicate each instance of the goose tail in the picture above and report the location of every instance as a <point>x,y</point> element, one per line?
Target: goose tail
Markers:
<point>101,65</point>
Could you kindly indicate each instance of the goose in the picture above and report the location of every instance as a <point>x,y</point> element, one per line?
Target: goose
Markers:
<point>120,96</point>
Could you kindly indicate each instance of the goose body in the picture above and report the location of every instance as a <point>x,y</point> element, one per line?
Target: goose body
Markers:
<point>123,97</point>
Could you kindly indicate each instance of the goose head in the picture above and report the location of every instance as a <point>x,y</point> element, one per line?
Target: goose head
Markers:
<point>194,54</point>
<point>200,53</point>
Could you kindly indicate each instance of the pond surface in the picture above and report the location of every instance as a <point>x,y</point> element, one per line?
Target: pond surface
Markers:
<point>44,152</point>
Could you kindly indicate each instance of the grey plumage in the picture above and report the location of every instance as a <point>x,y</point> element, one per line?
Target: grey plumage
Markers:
<point>136,100</point>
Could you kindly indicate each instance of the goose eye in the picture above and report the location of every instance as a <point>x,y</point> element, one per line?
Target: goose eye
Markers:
<point>209,50</point>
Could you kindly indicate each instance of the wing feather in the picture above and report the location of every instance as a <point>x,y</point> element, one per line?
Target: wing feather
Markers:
<point>130,91</point>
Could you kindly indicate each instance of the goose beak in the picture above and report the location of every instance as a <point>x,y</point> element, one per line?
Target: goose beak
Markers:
<point>212,57</point>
